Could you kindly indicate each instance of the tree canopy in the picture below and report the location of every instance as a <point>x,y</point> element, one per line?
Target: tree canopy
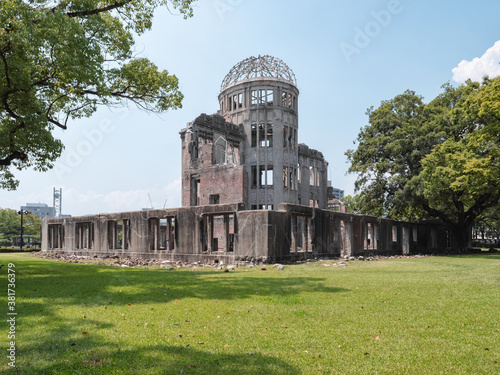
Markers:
<point>10,223</point>
<point>437,160</point>
<point>60,60</point>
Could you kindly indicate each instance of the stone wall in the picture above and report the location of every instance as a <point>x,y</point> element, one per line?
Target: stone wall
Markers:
<point>229,233</point>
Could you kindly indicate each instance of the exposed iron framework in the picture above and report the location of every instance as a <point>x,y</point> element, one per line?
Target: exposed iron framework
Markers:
<point>259,67</point>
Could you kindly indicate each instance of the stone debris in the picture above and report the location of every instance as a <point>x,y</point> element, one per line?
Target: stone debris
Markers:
<point>169,265</point>
<point>107,260</point>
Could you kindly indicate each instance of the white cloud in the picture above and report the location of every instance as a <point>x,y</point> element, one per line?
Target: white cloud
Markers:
<point>486,65</point>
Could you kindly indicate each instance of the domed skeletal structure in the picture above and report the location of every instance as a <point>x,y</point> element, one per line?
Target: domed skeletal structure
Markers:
<point>259,67</point>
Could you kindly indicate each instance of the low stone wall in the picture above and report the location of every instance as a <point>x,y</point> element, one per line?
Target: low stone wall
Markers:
<point>229,233</point>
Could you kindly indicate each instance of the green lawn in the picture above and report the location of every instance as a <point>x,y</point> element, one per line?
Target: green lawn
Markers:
<point>437,315</point>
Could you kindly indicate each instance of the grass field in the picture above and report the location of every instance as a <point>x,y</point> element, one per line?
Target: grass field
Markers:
<point>436,315</point>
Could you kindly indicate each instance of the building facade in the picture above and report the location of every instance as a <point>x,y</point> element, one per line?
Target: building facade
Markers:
<point>250,192</point>
<point>40,209</point>
<point>248,152</point>
<point>230,233</point>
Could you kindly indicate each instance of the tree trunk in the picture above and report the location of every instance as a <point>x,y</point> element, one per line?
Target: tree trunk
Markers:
<point>461,237</point>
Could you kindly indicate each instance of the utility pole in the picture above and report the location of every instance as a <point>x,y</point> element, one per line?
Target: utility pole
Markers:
<point>22,212</point>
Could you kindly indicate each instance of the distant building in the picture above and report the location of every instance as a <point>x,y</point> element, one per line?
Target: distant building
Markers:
<point>337,193</point>
<point>39,209</point>
<point>335,197</point>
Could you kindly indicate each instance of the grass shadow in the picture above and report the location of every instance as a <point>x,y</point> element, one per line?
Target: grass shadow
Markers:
<point>88,285</point>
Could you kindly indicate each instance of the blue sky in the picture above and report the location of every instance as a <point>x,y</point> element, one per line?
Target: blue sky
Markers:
<point>346,56</point>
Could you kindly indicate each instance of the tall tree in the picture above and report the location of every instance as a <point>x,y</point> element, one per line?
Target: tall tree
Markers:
<point>62,59</point>
<point>435,160</point>
<point>461,180</point>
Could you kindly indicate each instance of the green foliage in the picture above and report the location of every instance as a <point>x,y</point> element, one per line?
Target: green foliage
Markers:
<point>4,241</point>
<point>32,225</point>
<point>355,204</point>
<point>436,160</point>
<point>61,60</point>
<point>462,176</point>
<point>432,315</point>
<point>10,224</point>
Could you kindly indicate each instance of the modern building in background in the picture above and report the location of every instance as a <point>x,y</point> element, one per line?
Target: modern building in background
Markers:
<point>248,151</point>
<point>43,210</point>
<point>335,197</point>
<point>39,209</point>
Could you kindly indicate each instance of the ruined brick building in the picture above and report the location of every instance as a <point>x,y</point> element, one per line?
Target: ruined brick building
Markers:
<point>248,151</point>
<point>250,191</point>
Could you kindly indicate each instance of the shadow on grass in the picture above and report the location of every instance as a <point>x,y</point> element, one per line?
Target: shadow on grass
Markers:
<point>75,345</point>
<point>93,357</point>
<point>88,285</point>
<point>65,349</point>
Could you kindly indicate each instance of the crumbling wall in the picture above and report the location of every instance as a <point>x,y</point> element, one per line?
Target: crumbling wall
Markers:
<point>313,179</point>
<point>229,233</point>
<point>212,170</point>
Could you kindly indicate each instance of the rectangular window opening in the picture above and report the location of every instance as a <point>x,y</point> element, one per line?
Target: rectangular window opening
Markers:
<point>394,233</point>
<point>283,99</point>
<point>254,98</point>
<point>254,135</point>
<point>265,206</point>
<point>153,233</point>
<point>254,176</point>
<point>269,135</point>
<point>266,176</point>
<point>269,99</point>
<point>262,135</point>
<point>262,97</point>
<point>240,100</point>
<point>213,199</point>
<point>163,232</point>
<point>195,191</point>
<point>84,235</point>
<point>56,236</point>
